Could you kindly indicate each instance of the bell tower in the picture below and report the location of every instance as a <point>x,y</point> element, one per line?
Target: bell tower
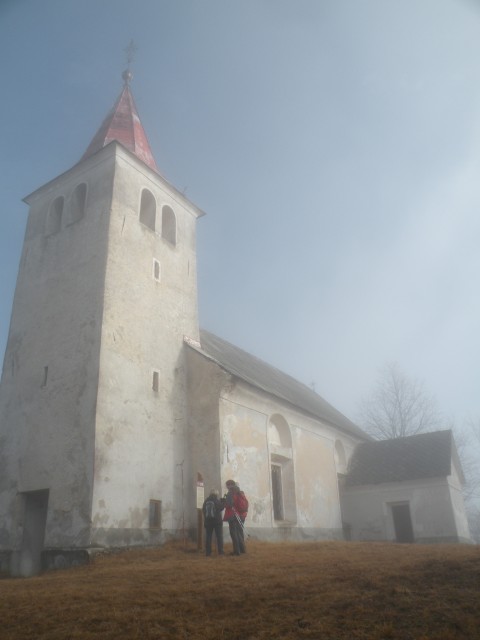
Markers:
<point>93,404</point>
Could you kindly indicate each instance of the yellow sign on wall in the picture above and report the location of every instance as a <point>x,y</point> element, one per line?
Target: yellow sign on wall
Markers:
<point>200,494</point>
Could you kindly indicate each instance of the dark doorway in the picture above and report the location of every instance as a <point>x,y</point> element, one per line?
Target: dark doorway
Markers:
<point>402,522</point>
<point>277,496</point>
<point>35,520</point>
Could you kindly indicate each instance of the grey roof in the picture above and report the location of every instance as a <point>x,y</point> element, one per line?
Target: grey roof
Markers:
<point>426,455</point>
<point>273,381</point>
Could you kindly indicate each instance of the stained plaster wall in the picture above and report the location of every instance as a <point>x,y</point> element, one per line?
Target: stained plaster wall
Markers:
<point>246,453</point>
<point>458,505</point>
<point>205,383</point>
<point>47,417</point>
<point>367,509</point>
<point>141,433</point>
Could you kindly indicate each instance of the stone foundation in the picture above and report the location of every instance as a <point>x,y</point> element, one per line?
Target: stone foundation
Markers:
<point>54,559</point>
<point>290,534</point>
<point>5,559</point>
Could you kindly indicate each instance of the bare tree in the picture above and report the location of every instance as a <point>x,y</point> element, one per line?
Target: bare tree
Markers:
<point>474,523</point>
<point>474,426</point>
<point>399,406</point>
<point>468,454</point>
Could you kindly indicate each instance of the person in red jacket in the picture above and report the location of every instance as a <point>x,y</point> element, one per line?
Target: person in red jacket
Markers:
<point>236,508</point>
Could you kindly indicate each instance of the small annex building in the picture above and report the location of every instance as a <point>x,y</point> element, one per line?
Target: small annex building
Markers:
<point>113,402</point>
<point>406,490</point>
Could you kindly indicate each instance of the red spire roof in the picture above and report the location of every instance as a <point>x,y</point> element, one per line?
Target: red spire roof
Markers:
<point>123,124</point>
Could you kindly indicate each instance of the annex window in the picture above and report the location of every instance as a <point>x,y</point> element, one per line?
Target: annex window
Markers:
<point>169,225</point>
<point>54,219</point>
<point>155,380</point>
<point>156,270</point>
<point>155,514</point>
<point>79,198</point>
<point>148,209</point>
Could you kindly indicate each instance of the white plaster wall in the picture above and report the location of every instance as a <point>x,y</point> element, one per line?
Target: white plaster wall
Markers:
<point>368,512</point>
<point>140,433</point>
<point>458,504</point>
<point>47,430</point>
<point>318,503</point>
<point>244,418</point>
<point>205,382</point>
<point>244,453</point>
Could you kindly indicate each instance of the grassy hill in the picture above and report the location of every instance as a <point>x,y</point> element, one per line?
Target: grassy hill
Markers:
<point>327,591</point>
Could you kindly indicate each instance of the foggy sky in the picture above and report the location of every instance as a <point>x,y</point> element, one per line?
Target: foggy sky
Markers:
<point>334,144</point>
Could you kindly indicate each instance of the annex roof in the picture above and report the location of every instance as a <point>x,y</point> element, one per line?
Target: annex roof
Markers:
<point>425,455</point>
<point>263,376</point>
<point>123,124</point>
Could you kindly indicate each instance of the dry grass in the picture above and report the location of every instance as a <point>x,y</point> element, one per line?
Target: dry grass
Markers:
<point>327,591</point>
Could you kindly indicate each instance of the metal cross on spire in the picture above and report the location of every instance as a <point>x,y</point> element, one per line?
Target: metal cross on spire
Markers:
<point>130,51</point>
<point>127,75</point>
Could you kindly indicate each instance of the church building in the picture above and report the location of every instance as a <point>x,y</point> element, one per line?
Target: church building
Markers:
<point>116,409</point>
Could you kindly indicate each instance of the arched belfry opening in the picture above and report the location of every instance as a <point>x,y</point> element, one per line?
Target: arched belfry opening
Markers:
<point>54,218</point>
<point>281,470</point>
<point>79,197</point>
<point>148,209</point>
<point>169,225</point>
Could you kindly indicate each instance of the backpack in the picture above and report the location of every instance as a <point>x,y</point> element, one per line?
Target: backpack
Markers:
<point>210,510</point>
<point>242,503</point>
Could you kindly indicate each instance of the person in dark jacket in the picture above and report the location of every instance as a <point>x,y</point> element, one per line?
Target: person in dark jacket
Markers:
<point>212,517</point>
<point>236,507</point>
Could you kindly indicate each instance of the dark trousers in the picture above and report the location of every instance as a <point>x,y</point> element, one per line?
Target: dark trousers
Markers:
<point>209,529</point>
<point>237,536</point>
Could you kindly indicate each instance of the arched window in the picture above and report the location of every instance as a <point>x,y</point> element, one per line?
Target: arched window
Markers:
<point>279,431</point>
<point>169,225</point>
<point>54,218</point>
<point>281,468</point>
<point>79,198</point>
<point>274,435</point>
<point>148,209</point>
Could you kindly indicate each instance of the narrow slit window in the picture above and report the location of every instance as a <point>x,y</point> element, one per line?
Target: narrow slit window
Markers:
<point>155,378</point>
<point>155,514</point>
<point>156,270</point>
<point>45,376</point>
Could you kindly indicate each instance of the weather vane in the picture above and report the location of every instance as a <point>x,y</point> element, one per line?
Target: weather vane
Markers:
<point>127,75</point>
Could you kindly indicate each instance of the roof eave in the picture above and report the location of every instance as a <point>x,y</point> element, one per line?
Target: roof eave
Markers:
<point>198,212</point>
<point>196,347</point>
